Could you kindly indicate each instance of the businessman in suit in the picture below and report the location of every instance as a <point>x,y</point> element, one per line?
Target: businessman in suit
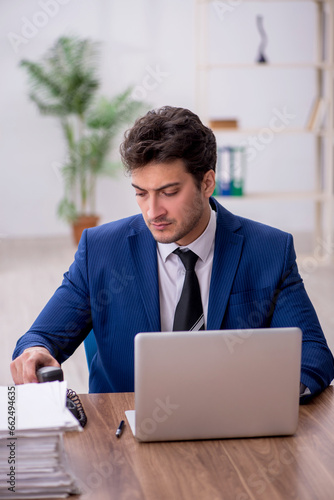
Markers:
<point>126,277</point>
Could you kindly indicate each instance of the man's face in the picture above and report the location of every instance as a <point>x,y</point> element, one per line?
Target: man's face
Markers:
<point>174,208</point>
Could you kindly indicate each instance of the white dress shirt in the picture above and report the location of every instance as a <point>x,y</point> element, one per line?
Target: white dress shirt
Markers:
<point>172,272</point>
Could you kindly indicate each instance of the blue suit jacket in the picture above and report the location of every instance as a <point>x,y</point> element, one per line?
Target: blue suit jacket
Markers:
<point>112,287</point>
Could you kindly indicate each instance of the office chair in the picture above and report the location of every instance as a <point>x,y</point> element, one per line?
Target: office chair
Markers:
<point>90,347</point>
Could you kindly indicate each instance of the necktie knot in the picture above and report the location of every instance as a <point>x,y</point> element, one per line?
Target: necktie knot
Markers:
<point>188,259</point>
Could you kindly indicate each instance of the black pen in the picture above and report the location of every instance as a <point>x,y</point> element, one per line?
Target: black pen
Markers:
<point>120,429</point>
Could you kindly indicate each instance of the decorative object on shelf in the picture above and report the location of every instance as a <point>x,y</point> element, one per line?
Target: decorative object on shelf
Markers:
<point>317,115</point>
<point>64,84</point>
<point>223,123</point>
<point>230,175</point>
<point>261,58</point>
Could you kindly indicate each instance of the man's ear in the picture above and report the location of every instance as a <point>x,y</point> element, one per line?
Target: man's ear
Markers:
<point>208,183</point>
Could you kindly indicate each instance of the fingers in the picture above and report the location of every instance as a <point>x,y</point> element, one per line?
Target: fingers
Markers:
<point>24,367</point>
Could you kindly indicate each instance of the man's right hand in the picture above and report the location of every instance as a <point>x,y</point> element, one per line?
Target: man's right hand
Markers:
<point>24,367</point>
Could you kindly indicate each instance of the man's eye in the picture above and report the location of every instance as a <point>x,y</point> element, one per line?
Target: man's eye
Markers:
<point>170,194</point>
<point>139,194</point>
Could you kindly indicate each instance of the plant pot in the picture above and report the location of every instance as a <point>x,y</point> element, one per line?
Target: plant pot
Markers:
<point>81,223</point>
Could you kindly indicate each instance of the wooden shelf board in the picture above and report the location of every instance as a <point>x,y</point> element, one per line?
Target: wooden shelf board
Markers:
<point>260,129</point>
<point>200,2</point>
<point>295,196</point>
<point>283,65</point>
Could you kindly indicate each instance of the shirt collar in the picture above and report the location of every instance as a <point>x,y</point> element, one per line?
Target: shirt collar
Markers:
<point>201,246</point>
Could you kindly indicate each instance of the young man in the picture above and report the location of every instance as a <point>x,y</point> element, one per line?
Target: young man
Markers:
<point>127,279</point>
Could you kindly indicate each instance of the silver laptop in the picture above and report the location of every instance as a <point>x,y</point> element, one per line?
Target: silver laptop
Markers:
<point>216,384</point>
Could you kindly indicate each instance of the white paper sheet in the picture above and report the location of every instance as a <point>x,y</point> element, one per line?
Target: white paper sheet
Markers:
<point>33,418</point>
<point>131,418</point>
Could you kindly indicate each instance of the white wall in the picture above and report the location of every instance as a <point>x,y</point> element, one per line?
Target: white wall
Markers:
<point>138,37</point>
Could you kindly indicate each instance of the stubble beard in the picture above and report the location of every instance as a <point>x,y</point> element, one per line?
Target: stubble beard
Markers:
<point>192,216</point>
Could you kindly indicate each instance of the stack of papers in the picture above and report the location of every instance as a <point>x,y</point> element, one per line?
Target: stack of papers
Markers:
<point>33,418</point>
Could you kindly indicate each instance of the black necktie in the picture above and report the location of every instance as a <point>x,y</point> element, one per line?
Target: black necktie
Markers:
<point>189,311</point>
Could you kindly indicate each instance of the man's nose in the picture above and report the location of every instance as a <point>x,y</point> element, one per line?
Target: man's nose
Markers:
<point>155,209</point>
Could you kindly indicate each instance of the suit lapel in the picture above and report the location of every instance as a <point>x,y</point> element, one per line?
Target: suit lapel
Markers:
<point>228,249</point>
<point>144,256</point>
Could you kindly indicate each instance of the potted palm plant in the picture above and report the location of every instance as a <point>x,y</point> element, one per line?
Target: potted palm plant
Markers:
<point>65,84</point>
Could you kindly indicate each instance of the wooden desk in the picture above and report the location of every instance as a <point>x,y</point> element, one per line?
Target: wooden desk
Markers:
<point>297,467</point>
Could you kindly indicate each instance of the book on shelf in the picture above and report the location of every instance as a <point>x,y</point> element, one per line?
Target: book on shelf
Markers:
<point>223,123</point>
<point>237,181</point>
<point>230,171</point>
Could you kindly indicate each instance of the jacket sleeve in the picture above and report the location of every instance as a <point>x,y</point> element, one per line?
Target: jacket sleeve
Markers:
<point>66,319</point>
<point>294,308</point>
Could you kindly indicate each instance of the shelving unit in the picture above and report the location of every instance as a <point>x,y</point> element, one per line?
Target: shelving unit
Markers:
<point>322,194</point>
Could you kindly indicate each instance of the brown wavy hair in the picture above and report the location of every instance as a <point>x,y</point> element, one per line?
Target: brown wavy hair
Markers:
<point>167,134</point>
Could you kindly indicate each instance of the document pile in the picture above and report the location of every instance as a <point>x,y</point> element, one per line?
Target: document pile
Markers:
<point>33,418</point>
